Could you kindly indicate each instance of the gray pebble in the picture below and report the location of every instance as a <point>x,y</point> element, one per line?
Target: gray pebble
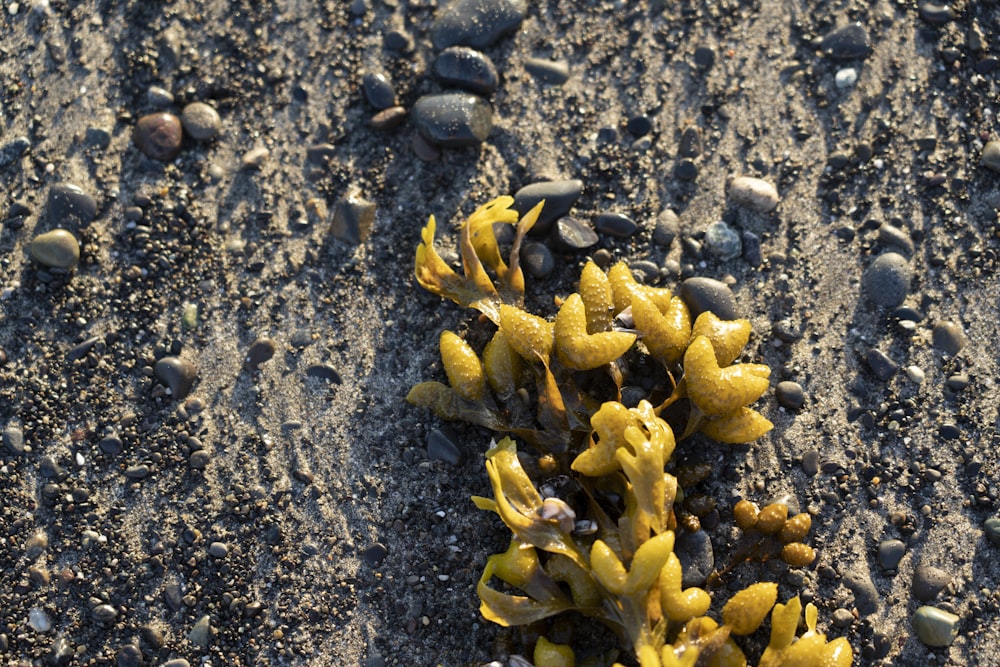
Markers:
<point>468,69</point>
<point>722,241</point>
<point>12,150</point>
<point>537,260</point>
<point>948,337</point>
<point>991,156</point>
<point>886,281</point>
<point>104,613</point>
<point>790,394</point>
<point>323,372</point>
<point>645,271</point>
<point>453,120</point>
<point>881,364</point>
<point>477,23</point>
<point>69,206</point>
<point>895,236</point>
<point>928,581</point>
<point>56,249</point>
<point>378,90</point>
<point>936,14</point>
<point>691,144</point>
<point>353,219</point>
<point>49,468</point>
<point>374,554</point>
<point>958,381</point>
<point>201,633</point>
<point>110,445</point>
<point>992,528</point>
<point>842,618</point>
<point>201,121</point>
<point>387,119</point>
<point>572,235</point>
<point>80,350</point>
<point>810,462</point>
<point>694,551</point>
<point>158,97</point>
<point>686,170</point>
<point>140,471</point>
<point>218,550</point>
<point>704,57</point>
<point>36,545</point>
<point>753,193</point>
<point>846,43</point>
<point>129,655</point>
<point>935,627</point>
<point>666,228</point>
<point>866,596</point>
<point>177,374</point>
<point>559,197</point>
<point>199,459</point>
<point>555,72</point>
<point>615,224</point>
<point>707,294</point>
<point>176,662</point>
<point>254,158</point>
<point>890,552</point>
<point>442,445</point>
<point>13,440</point>
<point>752,250</point>
<point>261,350</point>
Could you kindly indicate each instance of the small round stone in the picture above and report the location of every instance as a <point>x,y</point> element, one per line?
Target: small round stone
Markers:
<point>13,440</point>
<point>374,554</point>
<point>948,337</point>
<point>159,136</point>
<point>201,121</point>
<point>881,364</point>
<point>177,374</point>
<point>928,581</point>
<point>56,249</point>
<point>104,613</point>
<point>935,627</point>
<point>707,294</point>
<point>845,78</point>
<point>753,193</point>
<point>69,205</point>
<point>572,235</point>
<point>722,241</point>
<point>790,395</point>
<point>261,350</point>
<point>704,57</point>
<point>890,552</point>
<point>666,228</point>
<point>936,13</point>
<point>468,69</point>
<point>991,156</point>
<point>615,224</point>
<point>810,462</point>
<point>992,527</point>
<point>886,281</point>
<point>324,372</point>
<point>130,655</point>
<point>218,550</point>
<point>387,119</point>
<point>846,43</point>
<point>842,618</point>
<point>453,120</point>
<point>378,90</point>
<point>199,459</point>
<point>554,72</point>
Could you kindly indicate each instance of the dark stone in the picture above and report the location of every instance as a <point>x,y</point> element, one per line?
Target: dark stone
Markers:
<point>948,337</point>
<point>555,72</point>
<point>453,120</point>
<point>790,395</point>
<point>639,126</point>
<point>559,197</point>
<point>468,69</point>
<point>707,294</point>
<point>895,236</point>
<point>890,552</point>
<point>881,365</point>
<point>704,57</point>
<point>477,23</point>
<point>694,551</point>
<point>691,143</point>
<point>949,432</point>
<point>886,281</point>
<point>352,220</point>
<point>928,581</point>
<point>615,224</point>
<point>936,14</point>
<point>537,260</point>
<point>129,655</point>
<point>846,43</point>
<point>378,90</point>
<point>374,554</point>
<point>442,445</point>
<point>177,374</point>
<point>572,235</point>
<point>752,250</point>
<point>70,206</point>
<point>666,228</point>
<point>81,349</point>
<point>387,119</point>
<point>686,170</point>
<point>261,350</point>
<point>324,372</point>
<point>110,445</point>
<point>159,136</point>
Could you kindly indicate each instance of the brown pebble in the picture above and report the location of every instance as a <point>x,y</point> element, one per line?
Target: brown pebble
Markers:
<point>386,119</point>
<point>261,350</point>
<point>158,136</point>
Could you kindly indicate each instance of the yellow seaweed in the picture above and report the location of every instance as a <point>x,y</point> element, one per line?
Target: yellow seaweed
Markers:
<point>721,391</point>
<point>579,350</point>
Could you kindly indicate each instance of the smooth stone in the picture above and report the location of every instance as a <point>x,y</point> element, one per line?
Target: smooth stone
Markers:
<point>176,662</point>
<point>201,633</point>
<point>866,596</point>
<point>753,193</point>
<point>378,90</point>
<point>554,72</point>
<point>56,249</point>
<point>442,445</point>
<point>572,235</point>
<point>881,364</point>
<point>928,581</point>
<point>948,337</point>
<point>477,23</point>
<point>991,156</point>
<point>424,149</point>
<point>201,121</point>
<point>453,120</point>
<point>353,218</point>
<point>537,259</point>
<point>68,203</point>
<point>615,224</point>
<point>686,170</point>
<point>845,78</point>
<point>722,241</point>
<point>374,554</point>
<point>842,618</point>
<point>199,459</point>
<point>810,462</point>
<point>13,149</point>
<point>177,374</point>
<point>895,236</point>
<point>140,471</point>
<point>707,294</point>
<point>790,395</point>
<point>850,41</point>
<point>890,552</point>
<point>13,440</point>
<point>104,613</point>
<point>639,126</point>
<point>958,381</point>
<point>159,97</point>
<point>261,350</point>
<point>324,372</point>
<point>992,528</point>
<point>886,281</point>
<point>130,655</point>
<point>697,557</point>
<point>159,136</point>
<point>935,14</point>
<point>666,228</point>
<point>39,620</point>
<point>218,550</point>
<point>645,271</point>
<point>111,445</point>
<point>559,197</point>
<point>691,144</point>
<point>468,69</point>
<point>254,158</point>
<point>387,119</point>
<point>753,251</point>
<point>704,57</point>
<point>80,350</point>
<point>935,627</point>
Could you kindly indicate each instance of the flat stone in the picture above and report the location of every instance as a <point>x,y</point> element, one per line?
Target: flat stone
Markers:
<point>159,136</point>
<point>935,13</point>
<point>554,72</point>
<point>537,259</point>
<point>846,43</point>
<point>559,197</point>
<point>374,554</point>
<point>881,364</point>
<point>666,228</point>
<point>353,218</point>
<point>948,337</point>
<point>177,374</point>
<point>895,236</point>
<point>201,121</point>
<point>442,445</point>
<point>201,633</point>
<point>387,119</point>
<point>468,69</point>
<point>697,557</point>
<point>707,294</point>
<point>104,613</point>
<point>56,249</point>
<point>572,235</point>
<point>615,224</point>
<point>453,120</point>
<point>890,552</point>
<point>755,194</point>
<point>866,596</point>
<point>935,627</point>
<point>886,281</point>
<point>260,350</point>
<point>477,23</point>
<point>928,581</point>
<point>722,241</point>
<point>69,206</point>
<point>790,395</point>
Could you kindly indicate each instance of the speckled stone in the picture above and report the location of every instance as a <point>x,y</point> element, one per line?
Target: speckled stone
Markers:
<point>453,120</point>
<point>159,136</point>
<point>201,121</point>
<point>886,281</point>
<point>701,294</point>
<point>56,249</point>
<point>477,23</point>
<point>928,581</point>
<point>935,627</point>
<point>755,194</point>
<point>722,241</point>
<point>177,374</point>
<point>468,69</point>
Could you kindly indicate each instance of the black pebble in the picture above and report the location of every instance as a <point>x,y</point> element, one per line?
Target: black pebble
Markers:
<point>850,41</point>
<point>704,57</point>
<point>374,554</point>
<point>615,224</point>
<point>378,90</point>
<point>639,126</point>
<point>701,294</point>
<point>70,206</point>
<point>559,197</point>
<point>468,69</point>
<point>790,394</point>
<point>573,235</point>
<point>324,372</point>
<point>537,260</point>
<point>442,445</point>
<point>881,365</point>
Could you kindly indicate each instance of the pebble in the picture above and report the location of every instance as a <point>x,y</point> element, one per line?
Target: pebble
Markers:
<point>199,459</point>
<point>615,224</point>
<point>846,43</point>
<point>56,249</point>
<point>323,372</point>
<point>104,613</point>
<point>254,158</point>
<point>353,218</point>
<point>992,527</point>
<point>176,662</point>
<point>890,552</point>
<point>949,432</point>
<point>948,337</point>
<point>753,252</point>
<point>39,620</point>
<point>13,149</point>
<point>559,197</point>
<point>707,294</point>
<point>722,241</point>
<point>159,97</point>
<point>140,471</point>
<point>895,236</point>
<point>928,581</point>
<point>424,149</point>
<point>158,136</point>
<point>639,126</point>
<point>666,228</point>
<point>110,445</point>
<point>374,554</point>
<point>845,78</point>
<point>13,440</point>
<point>453,120</point>
<point>936,14</point>
<point>201,121</point>
<point>555,72</point>
<point>477,23</point>
<point>387,119</point>
<point>691,144</point>
<point>261,350</point>
<point>958,381</point>
<point>753,193</point>
<point>686,170</point>
<point>935,627</point>
<point>886,281</point>
<point>842,618</point>
<point>694,551</point>
<point>201,633</point>
<point>989,159</point>
<point>881,364</point>
<point>866,596</point>
<point>68,203</point>
<point>378,90</point>
<point>915,374</point>
<point>790,395</point>
<point>177,374</point>
<point>704,57</point>
<point>810,462</point>
<point>218,550</point>
<point>468,69</point>
<point>537,260</point>
<point>572,235</point>
<point>442,445</point>
<point>130,655</point>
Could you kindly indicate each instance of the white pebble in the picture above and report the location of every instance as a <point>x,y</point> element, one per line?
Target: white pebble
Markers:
<point>39,620</point>
<point>753,193</point>
<point>846,77</point>
<point>915,373</point>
